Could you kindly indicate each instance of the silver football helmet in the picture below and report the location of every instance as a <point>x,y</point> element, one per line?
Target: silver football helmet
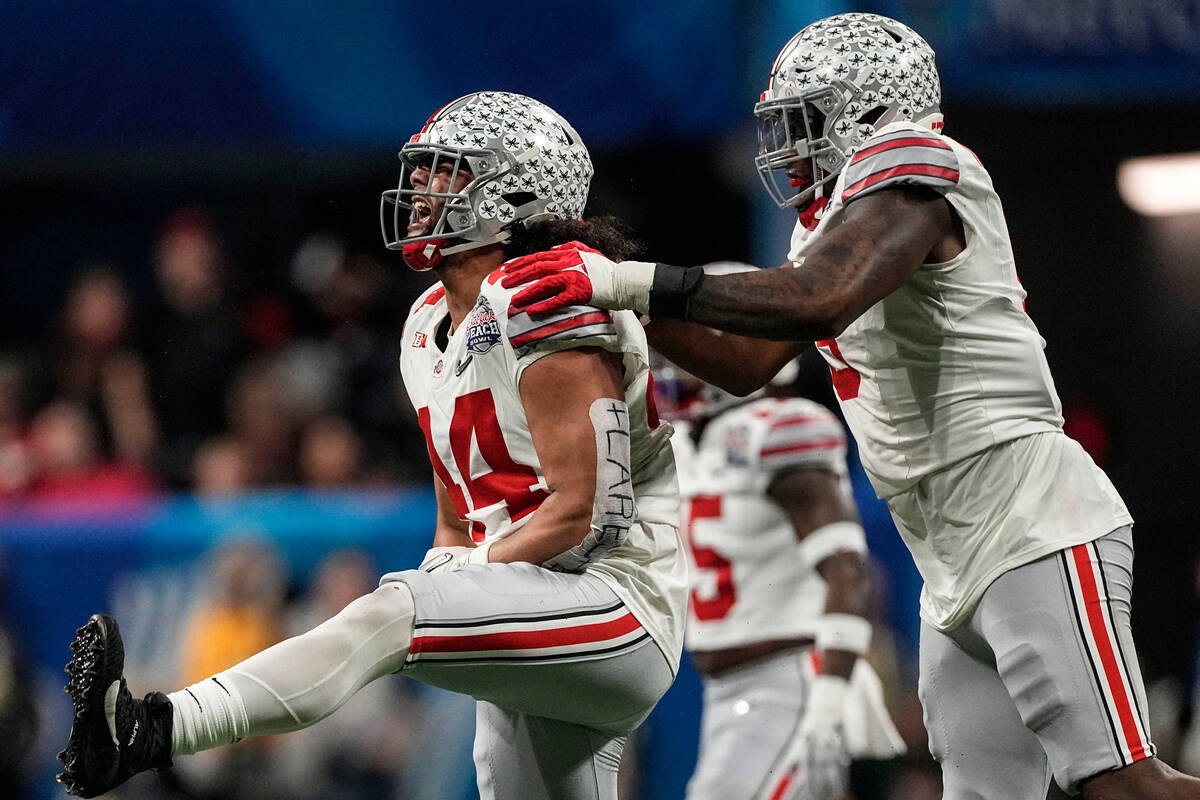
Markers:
<point>831,86</point>
<point>525,162</point>
<point>679,396</point>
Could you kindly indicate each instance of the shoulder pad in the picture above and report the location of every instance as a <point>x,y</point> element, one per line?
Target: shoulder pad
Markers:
<point>559,329</point>
<point>908,155</point>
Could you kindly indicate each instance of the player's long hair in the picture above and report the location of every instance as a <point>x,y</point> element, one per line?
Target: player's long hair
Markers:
<point>609,235</point>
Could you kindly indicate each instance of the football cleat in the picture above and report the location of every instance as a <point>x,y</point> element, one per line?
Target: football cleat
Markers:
<point>113,736</point>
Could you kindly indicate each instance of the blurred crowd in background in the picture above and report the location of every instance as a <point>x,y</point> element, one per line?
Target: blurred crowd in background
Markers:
<point>394,739</point>
<point>195,302</point>
<point>214,387</point>
<point>208,387</point>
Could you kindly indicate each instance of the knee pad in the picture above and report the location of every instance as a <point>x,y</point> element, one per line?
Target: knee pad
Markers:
<point>1029,678</point>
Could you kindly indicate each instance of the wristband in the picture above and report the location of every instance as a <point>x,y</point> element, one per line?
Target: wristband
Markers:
<point>672,288</point>
<point>848,632</point>
<point>836,537</point>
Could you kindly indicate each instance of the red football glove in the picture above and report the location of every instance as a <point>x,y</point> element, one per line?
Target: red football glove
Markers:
<point>559,278</point>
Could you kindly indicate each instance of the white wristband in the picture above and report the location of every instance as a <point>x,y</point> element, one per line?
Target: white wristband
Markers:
<point>480,554</point>
<point>848,632</point>
<point>836,537</point>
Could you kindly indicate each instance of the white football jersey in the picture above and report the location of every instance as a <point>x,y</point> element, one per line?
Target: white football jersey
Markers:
<point>750,580</point>
<point>469,406</point>
<point>947,367</point>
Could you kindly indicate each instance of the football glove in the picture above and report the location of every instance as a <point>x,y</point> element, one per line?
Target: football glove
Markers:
<point>448,559</point>
<point>817,756</point>
<point>574,274</point>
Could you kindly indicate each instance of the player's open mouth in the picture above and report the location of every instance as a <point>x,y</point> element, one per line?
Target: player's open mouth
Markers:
<point>421,216</point>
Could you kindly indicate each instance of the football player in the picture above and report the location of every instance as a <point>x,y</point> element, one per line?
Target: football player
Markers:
<point>555,589</point>
<point>901,271</point>
<point>780,592</point>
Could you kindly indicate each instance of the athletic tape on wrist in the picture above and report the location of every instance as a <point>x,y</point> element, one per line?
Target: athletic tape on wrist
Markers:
<point>631,285</point>
<point>673,287</point>
<point>835,537</point>
<point>848,632</point>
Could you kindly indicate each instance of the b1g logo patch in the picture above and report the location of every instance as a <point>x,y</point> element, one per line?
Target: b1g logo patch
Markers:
<point>420,339</point>
<point>483,331</point>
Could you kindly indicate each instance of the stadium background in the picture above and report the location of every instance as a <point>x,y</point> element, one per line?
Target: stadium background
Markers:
<point>199,327</point>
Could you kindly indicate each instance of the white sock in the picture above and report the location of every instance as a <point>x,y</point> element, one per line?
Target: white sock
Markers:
<point>207,714</point>
<point>300,680</point>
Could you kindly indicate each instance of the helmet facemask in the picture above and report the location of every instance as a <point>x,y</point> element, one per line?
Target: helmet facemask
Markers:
<point>680,396</point>
<point>796,128</point>
<point>453,218</point>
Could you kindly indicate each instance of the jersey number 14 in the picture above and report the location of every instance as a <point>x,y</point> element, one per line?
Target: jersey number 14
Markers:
<point>507,481</point>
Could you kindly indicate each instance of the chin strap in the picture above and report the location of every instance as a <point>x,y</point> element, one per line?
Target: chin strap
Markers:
<point>426,255</point>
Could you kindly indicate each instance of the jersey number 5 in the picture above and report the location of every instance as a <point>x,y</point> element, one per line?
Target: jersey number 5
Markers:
<point>507,482</point>
<point>717,605</point>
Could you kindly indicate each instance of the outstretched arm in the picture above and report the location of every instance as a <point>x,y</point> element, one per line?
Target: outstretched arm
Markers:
<point>884,237</point>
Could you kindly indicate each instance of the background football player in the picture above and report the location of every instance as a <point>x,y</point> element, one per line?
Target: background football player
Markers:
<point>780,593</point>
<point>555,590</point>
<point>902,272</point>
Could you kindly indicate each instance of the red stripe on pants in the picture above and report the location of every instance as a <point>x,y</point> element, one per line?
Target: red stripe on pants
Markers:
<point>781,788</point>
<point>526,640</point>
<point>1108,658</point>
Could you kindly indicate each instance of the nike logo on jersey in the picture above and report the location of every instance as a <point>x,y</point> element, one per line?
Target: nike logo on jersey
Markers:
<point>462,364</point>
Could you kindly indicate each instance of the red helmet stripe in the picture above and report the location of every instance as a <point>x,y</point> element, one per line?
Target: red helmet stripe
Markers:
<point>433,116</point>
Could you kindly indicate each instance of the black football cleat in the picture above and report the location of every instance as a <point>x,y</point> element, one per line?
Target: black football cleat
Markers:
<point>113,736</point>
